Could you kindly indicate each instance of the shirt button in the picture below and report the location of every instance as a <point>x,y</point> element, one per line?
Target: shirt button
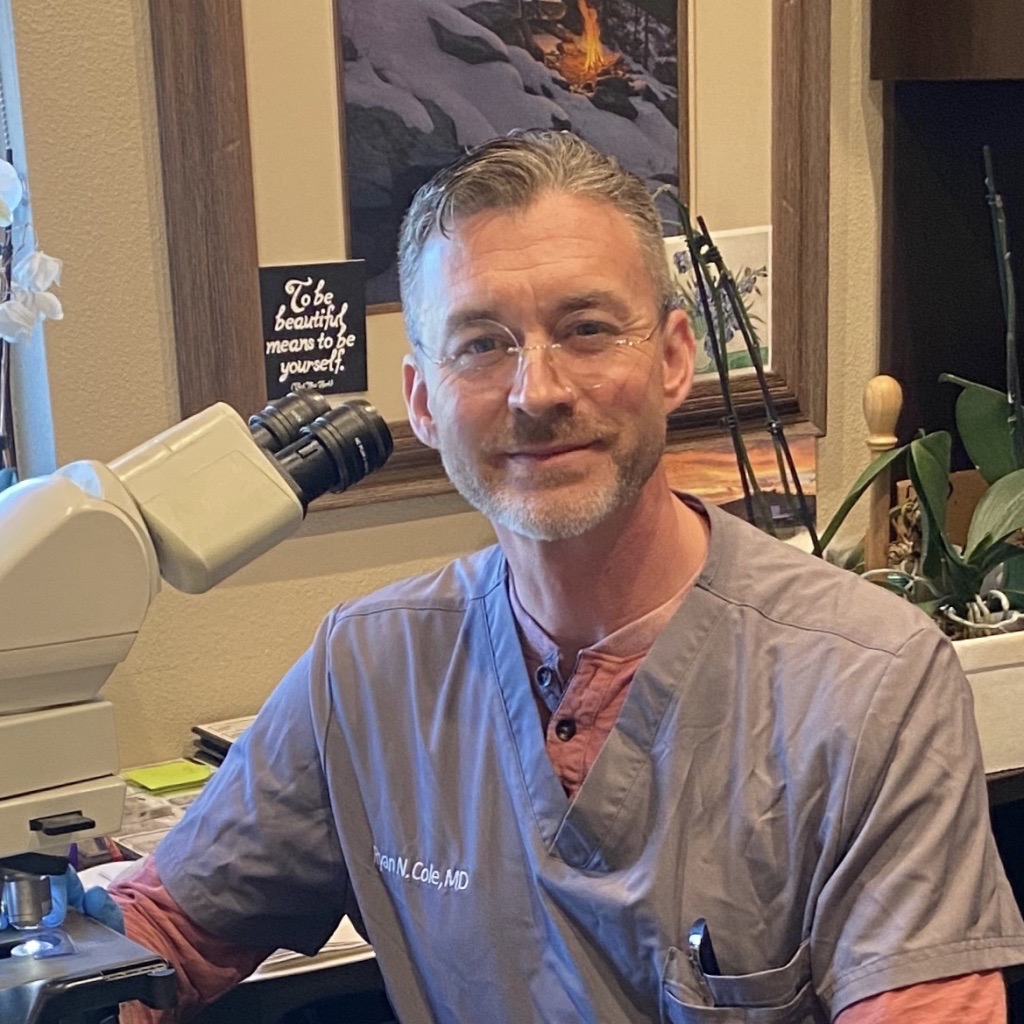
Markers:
<point>565,729</point>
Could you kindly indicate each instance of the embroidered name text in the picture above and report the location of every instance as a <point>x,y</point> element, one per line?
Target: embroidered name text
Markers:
<point>419,871</point>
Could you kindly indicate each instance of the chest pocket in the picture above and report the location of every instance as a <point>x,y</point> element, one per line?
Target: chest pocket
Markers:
<point>782,995</point>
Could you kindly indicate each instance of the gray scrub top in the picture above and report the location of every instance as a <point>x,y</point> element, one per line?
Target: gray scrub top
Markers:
<point>796,761</point>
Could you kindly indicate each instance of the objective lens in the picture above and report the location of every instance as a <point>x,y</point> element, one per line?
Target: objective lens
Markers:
<point>26,898</point>
<point>337,450</point>
<point>281,421</point>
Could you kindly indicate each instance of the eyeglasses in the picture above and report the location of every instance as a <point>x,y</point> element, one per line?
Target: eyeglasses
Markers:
<point>486,354</point>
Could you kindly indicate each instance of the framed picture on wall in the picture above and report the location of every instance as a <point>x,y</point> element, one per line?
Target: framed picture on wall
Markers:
<point>747,252</point>
<point>423,80</point>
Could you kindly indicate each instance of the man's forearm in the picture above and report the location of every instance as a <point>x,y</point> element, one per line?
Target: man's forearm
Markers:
<point>206,966</point>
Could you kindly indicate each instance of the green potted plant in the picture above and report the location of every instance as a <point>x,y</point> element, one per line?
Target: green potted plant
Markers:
<point>956,585</point>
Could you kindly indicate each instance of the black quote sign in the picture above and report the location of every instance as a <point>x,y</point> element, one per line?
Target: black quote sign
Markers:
<point>314,327</point>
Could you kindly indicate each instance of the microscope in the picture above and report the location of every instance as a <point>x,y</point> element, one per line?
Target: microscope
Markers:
<point>82,555</point>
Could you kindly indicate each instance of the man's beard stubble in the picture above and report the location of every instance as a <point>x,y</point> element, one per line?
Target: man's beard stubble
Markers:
<point>544,513</point>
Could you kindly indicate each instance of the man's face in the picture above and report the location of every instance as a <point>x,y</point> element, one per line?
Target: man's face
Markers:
<point>538,445</point>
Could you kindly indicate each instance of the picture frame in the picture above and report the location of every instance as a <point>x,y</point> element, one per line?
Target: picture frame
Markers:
<point>414,97</point>
<point>203,131</point>
<point>748,255</point>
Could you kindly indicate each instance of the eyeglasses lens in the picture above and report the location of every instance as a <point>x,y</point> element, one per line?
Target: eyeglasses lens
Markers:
<point>487,355</point>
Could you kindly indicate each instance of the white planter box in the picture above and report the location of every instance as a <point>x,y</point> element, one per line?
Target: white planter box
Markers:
<point>994,666</point>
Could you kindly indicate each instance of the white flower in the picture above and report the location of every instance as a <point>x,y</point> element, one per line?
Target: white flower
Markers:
<point>32,275</point>
<point>36,272</point>
<point>17,320</point>
<point>11,193</point>
<point>20,313</point>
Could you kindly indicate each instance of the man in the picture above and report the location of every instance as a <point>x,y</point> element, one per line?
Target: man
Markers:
<point>528,777</point>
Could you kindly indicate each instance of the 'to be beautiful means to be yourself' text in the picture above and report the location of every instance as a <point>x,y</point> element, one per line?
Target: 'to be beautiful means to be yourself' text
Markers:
<point>311,309</point>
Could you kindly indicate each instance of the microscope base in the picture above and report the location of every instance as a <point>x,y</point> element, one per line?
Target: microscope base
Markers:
<point>84,986</point>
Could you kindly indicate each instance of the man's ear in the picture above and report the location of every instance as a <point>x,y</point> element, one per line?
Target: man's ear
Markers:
<point>678,355</point>
<point>417,402</point>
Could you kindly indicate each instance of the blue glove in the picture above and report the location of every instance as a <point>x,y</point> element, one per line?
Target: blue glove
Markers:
<point>67,891</point>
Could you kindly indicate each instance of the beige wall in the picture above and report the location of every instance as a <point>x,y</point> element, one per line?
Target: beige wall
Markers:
<point>731,112</point>
<point>87,95</point>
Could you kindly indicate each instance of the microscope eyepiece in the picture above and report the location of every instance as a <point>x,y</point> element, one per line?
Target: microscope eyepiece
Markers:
<point>336,450</point>
<point>281,421</point>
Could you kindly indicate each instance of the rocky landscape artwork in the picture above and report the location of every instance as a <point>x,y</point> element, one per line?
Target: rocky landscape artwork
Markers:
<point>422,80</point>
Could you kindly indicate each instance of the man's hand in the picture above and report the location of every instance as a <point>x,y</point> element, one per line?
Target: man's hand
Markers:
<point>67,891</point>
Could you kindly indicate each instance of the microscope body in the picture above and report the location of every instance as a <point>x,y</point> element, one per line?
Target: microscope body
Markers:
<point>82,555</point>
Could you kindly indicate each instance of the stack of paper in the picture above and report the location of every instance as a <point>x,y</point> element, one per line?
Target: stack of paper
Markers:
<point>213,740</point>
<point>156,798</point>
<point>346,944</point>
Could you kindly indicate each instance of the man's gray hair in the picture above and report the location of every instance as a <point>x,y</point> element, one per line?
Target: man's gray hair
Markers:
<point>509,173</point>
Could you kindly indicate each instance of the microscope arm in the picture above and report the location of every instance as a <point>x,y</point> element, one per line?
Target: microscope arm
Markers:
<point>84,549</point>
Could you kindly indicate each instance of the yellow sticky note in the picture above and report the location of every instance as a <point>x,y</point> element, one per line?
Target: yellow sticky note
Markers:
<point>166,775</point>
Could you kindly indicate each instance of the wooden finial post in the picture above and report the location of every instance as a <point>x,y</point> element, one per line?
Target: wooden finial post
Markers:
<point>883,399</point>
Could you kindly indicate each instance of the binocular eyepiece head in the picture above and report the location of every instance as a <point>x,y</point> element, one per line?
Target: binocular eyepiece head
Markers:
<point>319,448</point>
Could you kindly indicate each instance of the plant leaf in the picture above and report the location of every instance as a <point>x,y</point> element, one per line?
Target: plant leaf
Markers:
<point>860,485</point>
<point>1013,579</point>
<point>999,513</point>
<point>998,552</point>
<point>928,464</point>
<point>983,421</point>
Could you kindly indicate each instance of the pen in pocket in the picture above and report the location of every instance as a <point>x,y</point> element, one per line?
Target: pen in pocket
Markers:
<point>701,953</point>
